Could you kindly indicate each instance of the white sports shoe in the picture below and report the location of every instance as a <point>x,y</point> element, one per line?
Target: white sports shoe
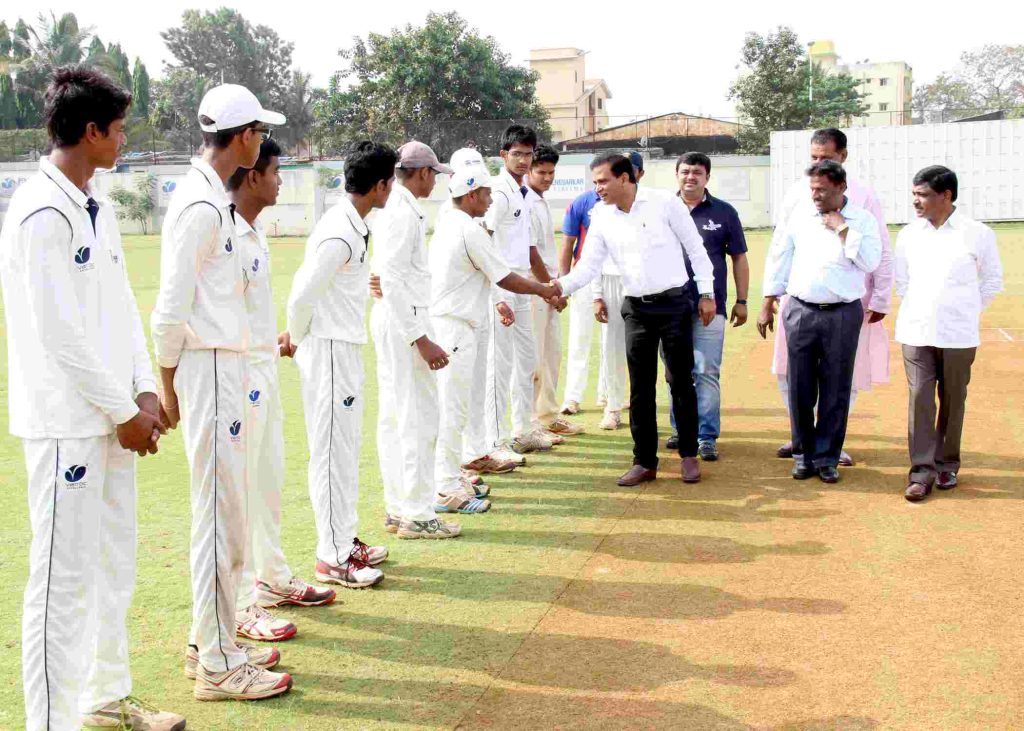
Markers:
<point>611,420</point>
<point>569,408</point>
<point>370,555</point>
<point>261,657</point>
<point>245,683</point>
<point>531,442</point>
<point>353,574</point>
<point>504,453</point>
<point>257,623</point>
<point>131,713</point>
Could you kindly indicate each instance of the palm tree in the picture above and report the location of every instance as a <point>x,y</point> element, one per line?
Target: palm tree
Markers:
<point>56,42</point>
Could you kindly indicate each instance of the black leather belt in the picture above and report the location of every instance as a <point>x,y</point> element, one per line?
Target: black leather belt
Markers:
<point>822,305</point>
<point>668,294</point>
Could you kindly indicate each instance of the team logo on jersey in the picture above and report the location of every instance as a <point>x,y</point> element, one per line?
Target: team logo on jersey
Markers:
<point>228,247</point>
<point>235,430</point>
<point>7,184</point>
<point>334,183</point>
<point>711,225</point>
<point>347,403</point>
<point>518,211</point>
<point>82,257</point>
<point>74,476</point>
<point>169,186</point>
<point>254,397</point>
<point>255,265</point>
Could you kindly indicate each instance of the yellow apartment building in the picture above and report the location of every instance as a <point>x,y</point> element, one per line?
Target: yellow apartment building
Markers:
<point>576,105</point>
<point>888,86</point>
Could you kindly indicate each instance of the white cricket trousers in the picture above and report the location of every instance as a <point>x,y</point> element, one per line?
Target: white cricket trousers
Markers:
<point>332,396</point>
<point>461,436</point>
<point>548,333</point>
<point>211,387</point>
<point>406,418</point>
<point>581,332</point>
<point>74,641</point>
<point>513,358</point>
<point>613,344</point>
<point>265,458</point>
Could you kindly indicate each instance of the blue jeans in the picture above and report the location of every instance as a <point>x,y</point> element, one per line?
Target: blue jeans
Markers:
<point>708,343</point>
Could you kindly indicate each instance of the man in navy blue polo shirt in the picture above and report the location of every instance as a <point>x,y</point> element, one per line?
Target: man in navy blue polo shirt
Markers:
<point>719,226</point>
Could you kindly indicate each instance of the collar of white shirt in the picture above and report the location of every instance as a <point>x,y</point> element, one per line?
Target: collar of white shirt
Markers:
<point>506,176</point>
<point>642,196</point>
<point>243,228</point>
<point>353,216</point>
<point>407,196</point>
<point>78,197</point>
<point>216,184</point>
<point>956,221</point>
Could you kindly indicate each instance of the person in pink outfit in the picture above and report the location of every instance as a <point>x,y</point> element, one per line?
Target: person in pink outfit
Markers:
<point>872,362</point>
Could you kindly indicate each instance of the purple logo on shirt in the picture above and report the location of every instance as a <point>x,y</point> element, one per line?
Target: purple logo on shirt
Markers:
<point>255,265</point>
<point>235,428</point>
<point>228,247</point>
<point>82,256</point>
<point>254,397</point>
<point>169,186</point>
<point>75,473</point>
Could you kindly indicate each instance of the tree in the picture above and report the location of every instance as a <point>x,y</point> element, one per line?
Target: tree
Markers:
<point>141,98</point>
<point>990,78</point>
<point>437,82</point>
<point>96,51</point>
<point>118,66</point>
<point>136,205</point>
<point>772,92</point>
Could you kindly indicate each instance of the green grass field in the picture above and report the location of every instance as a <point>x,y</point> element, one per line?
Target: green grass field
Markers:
<point>746,602</point>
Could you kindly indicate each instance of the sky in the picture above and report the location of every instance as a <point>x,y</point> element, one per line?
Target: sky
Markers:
<point>655,58</point>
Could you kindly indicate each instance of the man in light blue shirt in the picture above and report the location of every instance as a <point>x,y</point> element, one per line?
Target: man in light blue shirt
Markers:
<point>820,260</point>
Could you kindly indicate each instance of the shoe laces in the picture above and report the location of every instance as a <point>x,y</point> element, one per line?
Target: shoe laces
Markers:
<point>126,706</point>
<point>296,583</point>
<point>257,612</point>
<point>360,551</point>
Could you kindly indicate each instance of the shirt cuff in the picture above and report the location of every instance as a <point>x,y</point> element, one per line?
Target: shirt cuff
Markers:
<point>706,286</point>
<point>125,413</point>
<point>145,385</point>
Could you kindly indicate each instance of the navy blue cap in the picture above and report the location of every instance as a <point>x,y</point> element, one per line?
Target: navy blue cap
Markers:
<point>636,159</point>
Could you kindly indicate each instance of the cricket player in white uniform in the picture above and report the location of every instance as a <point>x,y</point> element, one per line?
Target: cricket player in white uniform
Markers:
<point>82,399</point>
<point>267,581</point>
<point>513,351</point>
<point>327,325</point>
<point>546,325</point>
<point>201,335</point>
<point>407,355</point>
<point>465,268</point>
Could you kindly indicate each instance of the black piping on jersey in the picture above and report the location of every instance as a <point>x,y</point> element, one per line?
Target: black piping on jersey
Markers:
<point>49,573</point>
<point>465,246</point>
<point>61,189</point>
<point>351,251</point>
<point>50,208</point>
<point>330,451</point>
<point>216,572</point>
<point>220,216</point>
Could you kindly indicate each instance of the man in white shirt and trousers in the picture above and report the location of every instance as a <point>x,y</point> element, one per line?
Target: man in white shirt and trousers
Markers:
<point>82,400</point>
<point>947,272</point>
<point>327,325</point>
<point>820,260</point>
<point>267,581</point>
<point>646,236</point>
<point>407,355</point>
<point>200,331</point>
<point>465,268</point>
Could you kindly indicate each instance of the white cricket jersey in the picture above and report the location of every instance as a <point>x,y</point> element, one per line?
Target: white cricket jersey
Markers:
<point>331,288</point>
<point>201,304</point>
<point>509,219</point>
<point>542,230</point>
<point>400,258</point>
<point>464,266</point>
<point>76,348</point>
<point>259,297</point>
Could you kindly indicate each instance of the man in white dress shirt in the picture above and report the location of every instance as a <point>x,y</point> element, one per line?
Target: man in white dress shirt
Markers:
<point>201,336</point>
<point>947,272</point>
<point>82,399</point>
<point>646,235</point>
<point>820,260</point>
<point>327,325</point>
<point>267,581</point>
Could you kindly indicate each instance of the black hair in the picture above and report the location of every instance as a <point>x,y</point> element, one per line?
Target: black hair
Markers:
<point>694,158</point>
<point>368,164</point>
<point>830,134</point>
<point>268,149</point>
<point>517,134</point>
<point>618,164</point>
<point>937,177</point>
<point>221,139</point>
<point>78,95</point>
<point>828,169</point>
<point>545,153</point>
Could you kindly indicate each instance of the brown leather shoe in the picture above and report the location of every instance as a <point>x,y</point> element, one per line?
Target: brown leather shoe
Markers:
<point>785,451</point>
<point>690,469</point>
<point>916,492</point>
<point>636,475</point>
<point>946,480</point>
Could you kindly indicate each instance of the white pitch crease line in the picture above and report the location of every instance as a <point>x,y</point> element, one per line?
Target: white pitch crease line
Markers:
<point>1006,335</point>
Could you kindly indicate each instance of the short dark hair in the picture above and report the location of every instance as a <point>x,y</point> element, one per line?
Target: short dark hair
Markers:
<point>694,158</point>
<point>221,139</point>
<point>368,164</point>
<point>517,134</point>
<point>618,164</point>
<point>828,169</point>
<point>939,178</point>
<point>830,134</point>
<point>545,153</point>
<point>78,95</point>
<point>268,149</point>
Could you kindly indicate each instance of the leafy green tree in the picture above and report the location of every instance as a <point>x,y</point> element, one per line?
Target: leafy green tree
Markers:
<point>141,97</point>
<point>138,204</point>
<point>437,82</point>
<point>97,50</point>
<point>990,78</point>
<point>118,67</point>
<point>772,91</point>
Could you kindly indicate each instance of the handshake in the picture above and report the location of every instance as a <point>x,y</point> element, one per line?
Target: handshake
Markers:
<point>551,292</point>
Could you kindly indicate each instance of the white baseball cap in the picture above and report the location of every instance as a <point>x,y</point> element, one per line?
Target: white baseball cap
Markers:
<point>467,179</point>
<point>467,156</point>
<point>231,106</point>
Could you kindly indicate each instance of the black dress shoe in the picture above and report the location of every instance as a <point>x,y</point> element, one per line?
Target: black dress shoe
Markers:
<point>802,473</point>
<point>946,481</point>
<point>828,474</point>
<point>672,442</point>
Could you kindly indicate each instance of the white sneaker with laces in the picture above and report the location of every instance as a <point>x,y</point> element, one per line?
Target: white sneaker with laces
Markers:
<point>531,442</point>
<point>611,420</point>
<point>261,657</point>
<point>569,408</point>
<point>257,623</point>
<point>131,713</point>
<point>370,555</point>
<point>296,593</point>
<point>244,683</point>
<point>504,453</point>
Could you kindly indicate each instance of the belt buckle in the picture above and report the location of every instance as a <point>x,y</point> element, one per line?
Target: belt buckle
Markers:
<point>648,298</point>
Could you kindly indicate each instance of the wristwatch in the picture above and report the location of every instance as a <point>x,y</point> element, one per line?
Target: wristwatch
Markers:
<point>741,302</point>
<point>707,296</point>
